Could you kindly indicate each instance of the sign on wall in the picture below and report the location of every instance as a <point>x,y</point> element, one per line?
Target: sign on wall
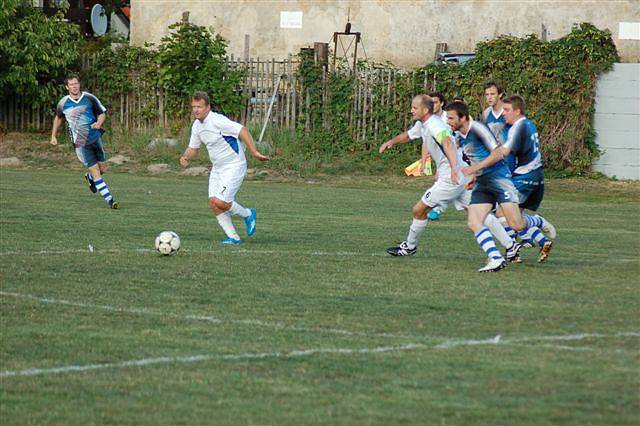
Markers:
<point>290,19</point>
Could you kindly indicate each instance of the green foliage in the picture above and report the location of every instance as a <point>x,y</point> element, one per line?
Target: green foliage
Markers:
<point>193,58</point>
<point>557,79</point>
<point>36,52</point>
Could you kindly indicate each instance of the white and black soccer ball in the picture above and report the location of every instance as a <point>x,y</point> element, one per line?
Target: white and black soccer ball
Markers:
<point>167,243</point>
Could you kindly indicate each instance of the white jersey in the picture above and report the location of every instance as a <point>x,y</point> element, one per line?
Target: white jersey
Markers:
<point>220,136</point>
<point>433,132</point>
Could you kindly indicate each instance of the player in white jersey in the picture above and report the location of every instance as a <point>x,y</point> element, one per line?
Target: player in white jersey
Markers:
<point>450,185</point>
<point>222,137</point>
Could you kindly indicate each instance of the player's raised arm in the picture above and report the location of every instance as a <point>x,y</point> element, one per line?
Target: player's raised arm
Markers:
<point>188,154</point>
<point>401,138</point>
<point>246,137</point>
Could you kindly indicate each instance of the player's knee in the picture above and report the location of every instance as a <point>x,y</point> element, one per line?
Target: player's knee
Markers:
<point>220,205</point>
<point>102,167</point>
<point>420,211</point>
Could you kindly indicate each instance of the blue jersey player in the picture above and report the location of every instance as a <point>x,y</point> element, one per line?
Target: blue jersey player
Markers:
<point>85,115</point>
<point>522,148</point>
<point>492,184</point>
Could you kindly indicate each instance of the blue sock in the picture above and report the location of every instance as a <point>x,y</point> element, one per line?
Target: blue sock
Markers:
<point>510,232</point>
<point>538,236</point>
<point>484,238</point>
<point>103,189</point>
<point>532,221</point>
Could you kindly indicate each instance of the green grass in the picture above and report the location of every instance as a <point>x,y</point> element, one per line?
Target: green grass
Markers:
<point>314,277</point>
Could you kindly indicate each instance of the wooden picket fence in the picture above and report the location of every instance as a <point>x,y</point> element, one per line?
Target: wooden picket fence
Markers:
<point>266,83</point>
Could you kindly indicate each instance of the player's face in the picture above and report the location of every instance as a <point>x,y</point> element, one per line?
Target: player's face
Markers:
<point>437,105</point>
<point>417,110</point>
<point>491,96</point>
<point>510,115</point>
<point>200,109</point>
<point>453,120</point>
<point>73,86</point>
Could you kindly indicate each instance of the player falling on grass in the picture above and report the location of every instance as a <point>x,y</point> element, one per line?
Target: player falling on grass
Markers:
<point>450,185</point>
<point>522,149</point>
<point>492,185</point>
<point>85,116</point>
<point>222,137</point>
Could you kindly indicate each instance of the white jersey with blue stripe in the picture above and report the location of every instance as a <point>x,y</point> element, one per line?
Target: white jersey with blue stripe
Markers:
<point>524,145</point>
<point>220,136</point>
<point>433,132</point>
<point>80,114</point>
<point>477,144</point>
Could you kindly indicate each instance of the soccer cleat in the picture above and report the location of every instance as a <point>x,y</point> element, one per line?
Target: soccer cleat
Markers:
<point>91,183</point>
<point>548,229</point>
<point>251,222</point>
<point>230,241</point>
<point>113,204</point>
<point>513,253</point>
<point>545,250</point>
<point>433,215</point>
<point>493,265</point>
<point>402,250</point>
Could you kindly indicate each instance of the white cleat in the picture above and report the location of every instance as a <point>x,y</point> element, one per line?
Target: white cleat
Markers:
<point>548,229</point>
<point>494,265</point>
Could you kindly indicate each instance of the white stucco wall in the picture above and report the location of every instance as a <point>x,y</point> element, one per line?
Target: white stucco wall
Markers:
<point>617,122</point>
<point>403,32</point>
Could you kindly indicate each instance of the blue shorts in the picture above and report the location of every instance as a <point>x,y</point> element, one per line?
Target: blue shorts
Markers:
<point>492,188</point>
<point>91,154</point>
<point>530,189</point>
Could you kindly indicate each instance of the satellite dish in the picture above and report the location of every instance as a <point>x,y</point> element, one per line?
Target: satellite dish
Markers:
<point>99,20</point>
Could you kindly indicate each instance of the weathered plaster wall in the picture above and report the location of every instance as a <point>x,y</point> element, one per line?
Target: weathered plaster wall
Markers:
<point>403,32</point>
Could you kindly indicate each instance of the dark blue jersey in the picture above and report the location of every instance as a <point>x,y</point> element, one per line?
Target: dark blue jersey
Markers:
<point>477,145</point>
<point>524,147</point>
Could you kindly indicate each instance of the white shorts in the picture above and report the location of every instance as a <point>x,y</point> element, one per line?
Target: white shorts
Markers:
<point>225,183</point>
<point>444,192</point>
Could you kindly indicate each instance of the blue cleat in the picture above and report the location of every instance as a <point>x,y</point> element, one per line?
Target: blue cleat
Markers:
<point>230,241</point>
<point>251,223</point>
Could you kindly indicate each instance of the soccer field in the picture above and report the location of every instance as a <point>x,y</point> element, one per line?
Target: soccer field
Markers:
<point>309,321</point>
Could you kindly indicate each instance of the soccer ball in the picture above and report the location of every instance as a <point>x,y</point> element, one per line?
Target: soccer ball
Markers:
<point>167,243</point>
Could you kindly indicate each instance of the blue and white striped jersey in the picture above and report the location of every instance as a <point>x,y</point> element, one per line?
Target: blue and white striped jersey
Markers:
<point>524,145</point>
<point>495,122</point>
<point>81,114</point>
<point>477,145</point>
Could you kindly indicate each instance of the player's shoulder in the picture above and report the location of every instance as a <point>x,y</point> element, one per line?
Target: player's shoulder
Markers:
<point>435,124</point>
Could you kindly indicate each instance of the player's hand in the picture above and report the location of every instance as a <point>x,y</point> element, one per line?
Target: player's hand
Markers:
<point>95,126</point>
<point>467,171</point>
<point>184,161</point>
<point>259,156</point>
<point>469,184</point>
<point>385,146</point>
<point>54,140</point>
<point>454,176</point>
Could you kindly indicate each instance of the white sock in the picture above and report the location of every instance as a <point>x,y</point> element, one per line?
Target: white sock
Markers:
<point>237,210</point>
<point>498,231</point>
<point>416,229</point>
<point>226,224</point>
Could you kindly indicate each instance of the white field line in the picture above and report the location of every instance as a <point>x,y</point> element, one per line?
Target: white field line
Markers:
<point>305,353</point>
<point>210,319</point>
<point>93,250</point>
<point>227,251</point>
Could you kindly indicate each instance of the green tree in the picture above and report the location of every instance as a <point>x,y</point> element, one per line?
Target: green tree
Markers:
<point>36,52</point>
<point>192,58</point>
